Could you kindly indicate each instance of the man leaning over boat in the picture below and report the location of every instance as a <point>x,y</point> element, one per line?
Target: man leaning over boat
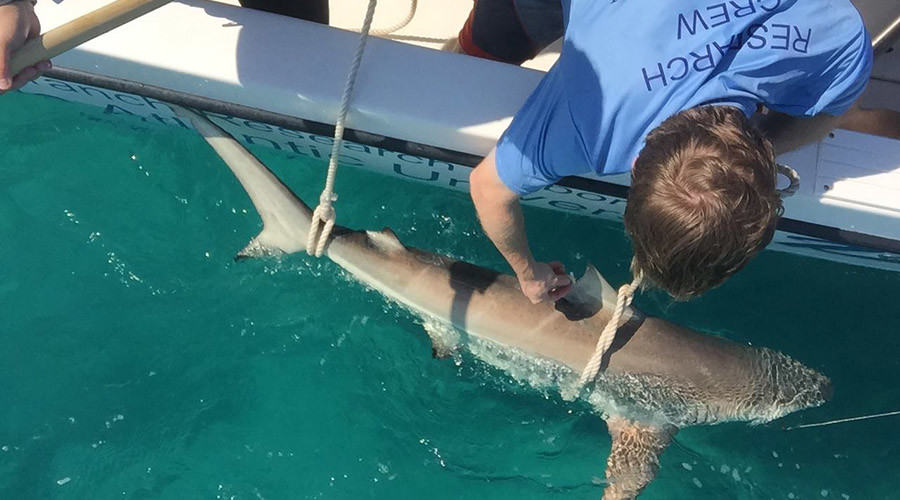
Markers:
<point>667,94</point>
<point>665,91</point>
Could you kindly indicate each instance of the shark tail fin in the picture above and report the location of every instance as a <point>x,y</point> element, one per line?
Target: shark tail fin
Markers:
<point>634,459</point>
<point>286,219</point>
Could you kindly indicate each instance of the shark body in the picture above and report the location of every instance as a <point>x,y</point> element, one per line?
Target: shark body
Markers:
<point>656,378</point>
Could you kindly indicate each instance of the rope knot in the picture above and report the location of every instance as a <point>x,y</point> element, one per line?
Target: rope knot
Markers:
<point>320,229</point>
<point>327,198</point>
<point>324,212</point>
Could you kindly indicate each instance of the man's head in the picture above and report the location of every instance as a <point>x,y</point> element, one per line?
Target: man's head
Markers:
<point>702,200</point>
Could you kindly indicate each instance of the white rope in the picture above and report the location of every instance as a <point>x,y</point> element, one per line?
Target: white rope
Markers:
<point>324,213</point>
<point>422,39</point>
<point>845,420</point>
<point>324,216</point>
<point>413,4</point>
<point>626,295</point>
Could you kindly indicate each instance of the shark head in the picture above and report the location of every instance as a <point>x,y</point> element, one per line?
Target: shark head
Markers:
<point>799,387</point>
<point>783,386</point>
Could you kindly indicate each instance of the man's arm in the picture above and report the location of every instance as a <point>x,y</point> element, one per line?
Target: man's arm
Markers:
<point>502,219</point>
<point>18,23</point>
<point>788,133</point>
<point>876,121</point>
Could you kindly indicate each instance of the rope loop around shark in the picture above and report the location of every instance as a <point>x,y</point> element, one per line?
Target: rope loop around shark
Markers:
<point>323,216</point>
<point>623,301</point>
<point>656,377</point>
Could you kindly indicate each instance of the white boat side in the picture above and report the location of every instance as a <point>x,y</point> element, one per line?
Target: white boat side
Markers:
<point>428,115</point>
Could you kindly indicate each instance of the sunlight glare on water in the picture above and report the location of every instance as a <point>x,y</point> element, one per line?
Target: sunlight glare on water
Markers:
<point>139,360</point>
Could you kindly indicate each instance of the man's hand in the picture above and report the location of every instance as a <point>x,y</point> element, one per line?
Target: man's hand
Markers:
<point>543,282</point>
<point>18,23</point>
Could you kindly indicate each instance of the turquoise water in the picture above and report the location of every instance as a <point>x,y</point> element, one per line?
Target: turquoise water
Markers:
<point>138,360</point>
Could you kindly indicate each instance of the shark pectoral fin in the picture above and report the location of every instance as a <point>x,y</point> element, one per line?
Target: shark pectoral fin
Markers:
<point>634,459</point>
<point>444,338</point>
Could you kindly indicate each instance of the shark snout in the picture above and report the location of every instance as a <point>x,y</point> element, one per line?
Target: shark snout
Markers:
<point>797,387</point>
<point>807,391</point>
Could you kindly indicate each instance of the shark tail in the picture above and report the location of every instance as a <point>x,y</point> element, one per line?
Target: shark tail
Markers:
<point>286,219</point>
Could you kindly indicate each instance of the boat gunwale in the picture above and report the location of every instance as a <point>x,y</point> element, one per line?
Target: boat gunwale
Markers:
<point>468,160</point>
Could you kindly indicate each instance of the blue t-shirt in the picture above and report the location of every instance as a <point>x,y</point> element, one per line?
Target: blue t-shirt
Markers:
<point>627,65</point>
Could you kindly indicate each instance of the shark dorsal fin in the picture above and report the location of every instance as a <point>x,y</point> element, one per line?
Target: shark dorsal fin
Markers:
<point>386,240</point>
<point>592,289</point>
<point>634,458</point>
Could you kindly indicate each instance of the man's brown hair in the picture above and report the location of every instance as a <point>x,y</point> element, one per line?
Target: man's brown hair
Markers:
<point>702,200</point>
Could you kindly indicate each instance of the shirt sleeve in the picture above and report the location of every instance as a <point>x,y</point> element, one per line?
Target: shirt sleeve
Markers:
<point>831,77</point>
<point>541,145</point>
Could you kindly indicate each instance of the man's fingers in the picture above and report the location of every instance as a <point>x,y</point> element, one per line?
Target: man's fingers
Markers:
<point>550,285</point>
<point>560,280</point>
<point>27,75</point>
<point>561,285</point>
<point>24,76</point>
<point>560,292</point>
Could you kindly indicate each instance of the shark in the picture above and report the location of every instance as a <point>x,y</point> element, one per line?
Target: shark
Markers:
<point>656,378</point>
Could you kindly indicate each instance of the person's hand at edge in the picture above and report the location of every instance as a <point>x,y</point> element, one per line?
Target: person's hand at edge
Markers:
<point>18,24</point>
